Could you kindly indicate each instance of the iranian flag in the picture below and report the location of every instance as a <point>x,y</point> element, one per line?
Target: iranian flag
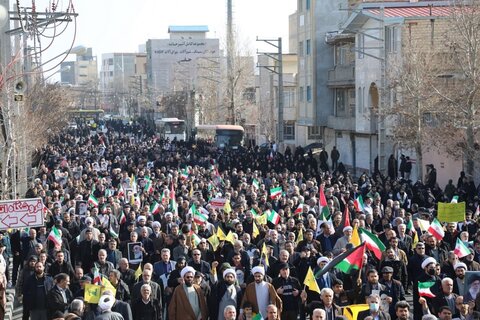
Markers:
<point>254,213</point>
<point>255,184</point>
<point>353,261</point>
<point>436,229</point>
<point>93,201</point>
<point>299,209</point>
<point>461,250</point>
<point>184,174</point>
<point>195,238</point>
<point>275,192</point>
<point>323,199</point>
<point>372,243</point>
<point>358,204</point>
<point>424,289</point>
<point>121,191</point>
<point>173,201</point>
<point>273,217</point>
<point>148,185</point>
<point>97,278</point>
<point>155,208</point>
<point>199,217</point>
<point>164,197</point>
<point>55,236</point>
<point>122,219</point>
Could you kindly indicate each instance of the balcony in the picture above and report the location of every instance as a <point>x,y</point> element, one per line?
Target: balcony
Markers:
<point>341,76</point>
<point>341,123</point>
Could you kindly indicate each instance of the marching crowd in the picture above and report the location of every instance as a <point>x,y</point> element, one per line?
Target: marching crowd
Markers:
<point>137,227</point>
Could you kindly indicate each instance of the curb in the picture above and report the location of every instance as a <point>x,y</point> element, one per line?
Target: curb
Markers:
<point>10,304</point>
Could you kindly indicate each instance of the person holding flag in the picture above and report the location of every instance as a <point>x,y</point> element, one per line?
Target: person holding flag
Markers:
<point>427,286</point>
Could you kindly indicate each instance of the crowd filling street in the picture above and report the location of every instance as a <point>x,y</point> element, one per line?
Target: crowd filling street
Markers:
<point>142,228</point>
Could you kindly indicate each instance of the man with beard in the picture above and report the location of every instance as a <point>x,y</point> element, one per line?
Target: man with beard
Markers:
<point>473,288</point>
<point>260,294</point>
<point>188,301</point>
<point>147,279</point>
<point>127,274</point>
<point>394,289</point>
<point>398,266</point>
<point>225,293</point>
<point>472,265</point>
<point>429,275</point>
<point>36,288</point>
<point>459,279</point>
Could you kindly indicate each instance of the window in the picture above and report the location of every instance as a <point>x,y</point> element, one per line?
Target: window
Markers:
<point>341,55</point>
<point>300,48</point>
<point>314,133</point>
<point>300,94</point>
<point>289,130</point>
<point>391,34</point>
<point>309,94</point>
<point>351,103</point>
<point>289,97</point>
<point>110,62</point>
<point>360,100</point>
<point>307,5</point>
<point>340,103</point>
<point>308,49</point>
<point>361,45</point>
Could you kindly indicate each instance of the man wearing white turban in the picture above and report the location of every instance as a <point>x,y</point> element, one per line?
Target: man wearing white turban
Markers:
<point>188,301</point>
<point>224,293</point>
<point>260,294</point>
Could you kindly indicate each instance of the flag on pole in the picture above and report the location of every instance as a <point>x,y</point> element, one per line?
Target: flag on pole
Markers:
<point>424,289</point>
<point>148,185</point>
<point>373,243</point>
<point>155,208</point>
<point>275,192</point>
<point>346,217</point>
<point>436,229</point>
<point>230,238</point>
<point>112,233</point>
<point>325,214</point>
<point>55,236</point>
<point>184,174</point>
<point>299,209</point>
<point>138,272</point>
<point>199,217</point>
<point>122,219</point>
<point>310,281</point>
<point>255,184</point>
<point>355,239</point>
<point>262,220</point>
<point>173,200</point>
<point>415,239</point>
<point>220,234</point>
<point>264,254</point>
<point>461,250</point>
<point>121,191</point>
<point>255,231</point>
<point>227,207</point>
<point>97,278</point>
<point>423,224</point>
<point>300,236</point>
<point>214,242</point>
<point>349,260</point>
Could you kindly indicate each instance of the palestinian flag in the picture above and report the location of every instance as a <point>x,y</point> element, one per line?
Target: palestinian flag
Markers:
<point>255,184</point>
<point>55,236</point>
<point>155,208</point>
<point>199,217</point>
<point>112,232</point>
<point>325,213</point>
<point>436,229</point>
<point>122,219</point>
<point>148,185</point>
<point>372,243</point>
<point>349,260</point>
<point>299,210</point>
<point>273,217</point>
<point>323,199</point>
<point>275,192</point>
<point>358,204</point>
<point>461,250</point>
<point>92,201</point>
<point>424,289</point>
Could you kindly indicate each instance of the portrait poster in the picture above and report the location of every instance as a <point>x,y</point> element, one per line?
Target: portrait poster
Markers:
<point>472,286</point>
<point>135,254</point>
<point>81,207</point>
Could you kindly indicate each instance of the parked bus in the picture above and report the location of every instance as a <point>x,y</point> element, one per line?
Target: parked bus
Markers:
<point>171,128</point>
<point>225,136</point>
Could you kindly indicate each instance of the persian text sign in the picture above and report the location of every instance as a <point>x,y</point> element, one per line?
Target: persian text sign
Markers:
<point>217,203</point>
<point>21,213</point>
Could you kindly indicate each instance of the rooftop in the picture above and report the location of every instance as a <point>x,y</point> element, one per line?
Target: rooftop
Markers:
<point>187,29</point>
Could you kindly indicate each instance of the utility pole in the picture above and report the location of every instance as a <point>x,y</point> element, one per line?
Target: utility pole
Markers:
<point>230,73</point>
<point>277,68</point>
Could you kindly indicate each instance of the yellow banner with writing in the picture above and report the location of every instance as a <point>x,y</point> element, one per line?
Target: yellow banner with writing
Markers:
<point>451,212</point>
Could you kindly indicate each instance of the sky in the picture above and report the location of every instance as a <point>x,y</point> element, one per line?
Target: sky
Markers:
<point>121,25</point>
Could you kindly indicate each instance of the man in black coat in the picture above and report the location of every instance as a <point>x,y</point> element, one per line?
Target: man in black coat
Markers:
<point>428,275</point>
<point>374,311</point>
<point>445,297</point>
<point>87,251</point>
<point>59,297</point>
<point>288,288</point>
<point>394,289</point>
<point>224,293</point>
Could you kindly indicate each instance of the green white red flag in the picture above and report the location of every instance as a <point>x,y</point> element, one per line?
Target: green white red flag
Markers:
<point>92,201</point>
<point>273,217</point>
<point>358,204</point>
<point>275,192</point>
<point>255,184</point>
<point>323,199</point>
<point>372,243</point>
<point>198,217</point>
<point>424,289</point>
<point>55,236</point>
<point>155,208</point>
<point>461,250</point>
<point>299,210</point>
<point>148,185</point>
<point>436,229</point>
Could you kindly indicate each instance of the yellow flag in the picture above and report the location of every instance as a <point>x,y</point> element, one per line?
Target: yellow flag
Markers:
<point>190,194</point>
<point>423,224</point>
<point>264,254</point>
<point>255,232</point>
<point>351,312</point>
<point>214,242</point>
<point>226,207</point>
<point>138,272</point>
<point>300,235</point>
<point>355,239</point>
<point>310,281</point>
<point>92,293</point>
<point>230,238</point>
<point>262,219</point>
<point>220,234</point>
<point>108,286</point>
<point>415,240</point>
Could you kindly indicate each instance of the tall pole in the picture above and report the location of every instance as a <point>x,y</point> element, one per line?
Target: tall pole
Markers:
<point>280,95</point>
<point>230,52</point>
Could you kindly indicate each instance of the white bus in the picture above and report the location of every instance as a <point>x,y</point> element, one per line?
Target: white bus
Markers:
<point>171,128</point>
<point>224,136</point>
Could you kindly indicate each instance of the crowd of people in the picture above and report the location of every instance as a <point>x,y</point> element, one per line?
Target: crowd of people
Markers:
<point>179,230</point>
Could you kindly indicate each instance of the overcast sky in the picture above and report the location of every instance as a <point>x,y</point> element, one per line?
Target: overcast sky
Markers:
<point>121,25</point>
